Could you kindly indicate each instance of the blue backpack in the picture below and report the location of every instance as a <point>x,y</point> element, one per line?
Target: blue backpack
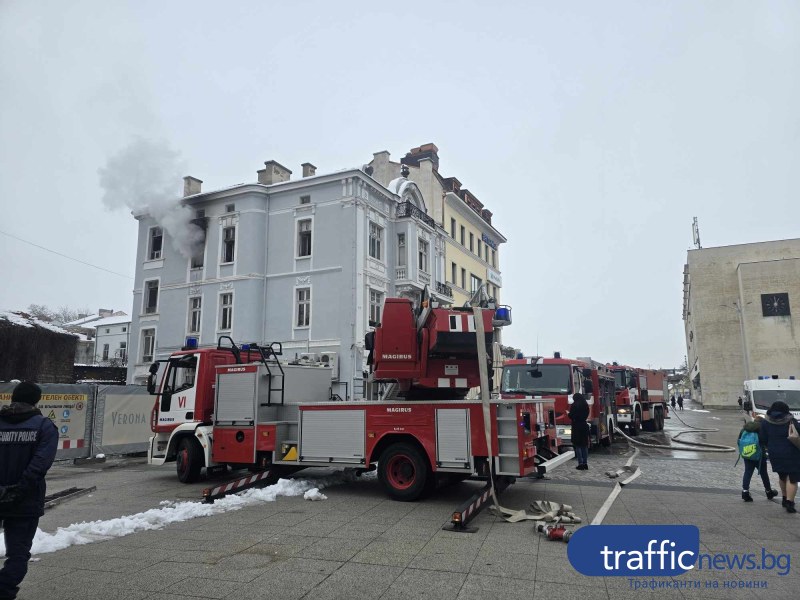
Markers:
<point>749,446</point>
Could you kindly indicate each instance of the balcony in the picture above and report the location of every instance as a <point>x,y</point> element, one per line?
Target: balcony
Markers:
<point>407,209</point>
<point>444,290</point>
<point>400,273</point>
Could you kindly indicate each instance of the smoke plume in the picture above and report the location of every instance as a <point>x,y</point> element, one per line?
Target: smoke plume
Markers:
<point>145,176</point>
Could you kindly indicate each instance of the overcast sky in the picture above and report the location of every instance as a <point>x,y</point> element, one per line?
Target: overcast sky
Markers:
<point>594,131</point>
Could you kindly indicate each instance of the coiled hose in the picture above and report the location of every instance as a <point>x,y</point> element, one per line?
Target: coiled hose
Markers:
<point>696,446</point>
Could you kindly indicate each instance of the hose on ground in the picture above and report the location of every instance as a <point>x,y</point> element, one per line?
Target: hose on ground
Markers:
<point>696,446</point>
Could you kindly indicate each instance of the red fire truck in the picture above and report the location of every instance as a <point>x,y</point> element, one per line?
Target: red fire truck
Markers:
<point>641,396</point>
<point>244,407</point>
<point>558,379</point>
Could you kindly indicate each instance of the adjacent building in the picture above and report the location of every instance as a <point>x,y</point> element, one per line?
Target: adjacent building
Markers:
<point>112,338</point>
<point>472,249</point>
<point>35,350</point>
<point>741,312</point>
<point>305,262</point>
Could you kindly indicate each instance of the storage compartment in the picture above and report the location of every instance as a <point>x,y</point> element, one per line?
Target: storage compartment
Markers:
<point>452,438</point>
<point>332,436</point>
<point>234,445</point>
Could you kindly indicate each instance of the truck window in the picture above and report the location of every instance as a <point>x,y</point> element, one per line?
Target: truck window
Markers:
<point>536,379</point>
<point>180,376</point>
<point>764,398</point>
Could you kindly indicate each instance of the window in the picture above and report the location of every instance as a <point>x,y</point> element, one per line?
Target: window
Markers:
<point>304,237</point>
<point>463,279</point>
<point>453,228</point>
<point>108,330</point>
<point>198,259</point>
<point>201,213</point>
<point>463,234</point>
<point>305,199</point>
<point>474,283</point>
<point>453,273</point>
<point>303,307</point>
<point>229,208</point>
<point>375,240</point>
<point>156,243</point>
<point>225,311</point>
<point>123,350</point>
<point>195,309</point>
<point>480,249</point>
<point>124,329</point>
<point>151,297</point>
<point>148,344</point>
<point>105,351</point>
<point>228,244</point>
<point>423,256</point>
<point>471,242</point>
<point>401,249</point>
<point>494,258</point>
<point>375,305</point>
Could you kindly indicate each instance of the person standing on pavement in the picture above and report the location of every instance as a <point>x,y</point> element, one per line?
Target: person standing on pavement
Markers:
<point>680,402</point>
<point>783,455</point>
<point>751,465</point>
<point>672,400</point>
<point>578,413</point>
<point>28,444</point>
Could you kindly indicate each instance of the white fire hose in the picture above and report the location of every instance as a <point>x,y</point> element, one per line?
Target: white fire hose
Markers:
<point>695,446</point>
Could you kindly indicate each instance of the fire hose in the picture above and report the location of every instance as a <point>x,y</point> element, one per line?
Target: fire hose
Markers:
<point>696,446</point>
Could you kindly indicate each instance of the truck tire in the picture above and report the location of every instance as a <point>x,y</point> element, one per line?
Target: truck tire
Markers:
<point>404,472</point>
<point>189,461</point>
<point>636,425</point>
<point>609,439</point>
<point>660,425</point>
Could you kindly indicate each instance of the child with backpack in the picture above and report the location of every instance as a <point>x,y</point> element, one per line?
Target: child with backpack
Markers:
<point>755,457</point>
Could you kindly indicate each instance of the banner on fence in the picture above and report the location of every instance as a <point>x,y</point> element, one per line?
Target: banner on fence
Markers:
<point>67,410</point>
<point>126,418</point>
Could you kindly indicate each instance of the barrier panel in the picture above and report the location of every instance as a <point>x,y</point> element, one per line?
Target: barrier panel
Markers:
<point>71,408</point>
<point>122,419</point>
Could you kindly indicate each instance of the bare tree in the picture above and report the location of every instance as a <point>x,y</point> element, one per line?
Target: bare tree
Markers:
<point>41,312</point>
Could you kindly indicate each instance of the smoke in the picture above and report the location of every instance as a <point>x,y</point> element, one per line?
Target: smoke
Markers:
<point>145,176</point>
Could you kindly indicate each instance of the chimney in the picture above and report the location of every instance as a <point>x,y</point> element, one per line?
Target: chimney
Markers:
<point>191,186</point>
<point>425,151</point>
<point>273,172</point>
<point>309,170</point>
<point>105,312</point>
<point>487,215</point>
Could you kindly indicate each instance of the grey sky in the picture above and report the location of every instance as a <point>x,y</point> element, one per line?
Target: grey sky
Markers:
<point>594,131</point>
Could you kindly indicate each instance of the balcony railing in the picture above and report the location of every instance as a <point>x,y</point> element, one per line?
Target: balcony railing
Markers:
<point>407,209</point>
<point>444,289</point>
<point>400,273</point>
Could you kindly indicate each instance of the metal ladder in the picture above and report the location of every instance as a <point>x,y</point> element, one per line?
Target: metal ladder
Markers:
<point>269,356</point>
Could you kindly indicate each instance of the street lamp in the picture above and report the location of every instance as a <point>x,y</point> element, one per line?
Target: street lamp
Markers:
<point>738,310</point>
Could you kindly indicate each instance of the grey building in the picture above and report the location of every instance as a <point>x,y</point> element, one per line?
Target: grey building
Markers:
<point>741,312</point>
<point>304,262</point>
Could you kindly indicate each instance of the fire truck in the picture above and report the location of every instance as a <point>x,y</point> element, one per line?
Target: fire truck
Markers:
<point>245,407</point>
<point>641,398</point>
<point>557,379</point>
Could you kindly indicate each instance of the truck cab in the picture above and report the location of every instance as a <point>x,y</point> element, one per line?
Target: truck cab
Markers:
<point>762,392</point>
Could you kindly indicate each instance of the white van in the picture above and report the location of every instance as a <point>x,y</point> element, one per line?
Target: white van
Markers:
<point>765,390</point>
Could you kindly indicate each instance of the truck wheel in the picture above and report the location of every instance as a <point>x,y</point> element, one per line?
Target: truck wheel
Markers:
<point>636,426</point>
<point>404,472</point>
<point>189,460</point>
<point>609,439</point>
<point>660,425</point>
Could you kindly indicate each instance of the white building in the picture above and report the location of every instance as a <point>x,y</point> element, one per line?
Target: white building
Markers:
<point>112,339</point>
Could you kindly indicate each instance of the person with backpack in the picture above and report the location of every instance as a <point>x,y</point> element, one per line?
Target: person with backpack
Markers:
<point>754,457</point>
<point>779,434</point>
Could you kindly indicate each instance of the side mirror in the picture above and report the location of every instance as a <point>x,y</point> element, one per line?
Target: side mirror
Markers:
<point>369,341</point>
<point>151,384</point>
<point>153,368</point>
<point>587,372</point>
<point>587,386</point>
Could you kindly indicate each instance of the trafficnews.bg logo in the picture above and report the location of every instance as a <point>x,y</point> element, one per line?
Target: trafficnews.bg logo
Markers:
<point>658,550</point>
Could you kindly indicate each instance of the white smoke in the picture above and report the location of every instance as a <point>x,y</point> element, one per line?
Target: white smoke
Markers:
<point>145,176</point>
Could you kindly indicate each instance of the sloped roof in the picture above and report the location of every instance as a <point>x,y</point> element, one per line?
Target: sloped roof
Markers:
<point>22,319</point>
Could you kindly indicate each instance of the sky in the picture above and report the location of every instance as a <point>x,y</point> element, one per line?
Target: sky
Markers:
<point>594,131</point>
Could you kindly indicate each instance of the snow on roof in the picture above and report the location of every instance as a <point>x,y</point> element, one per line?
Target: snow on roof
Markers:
<point>82,320</point>
<point>22,319</point>
<point>110,321</point>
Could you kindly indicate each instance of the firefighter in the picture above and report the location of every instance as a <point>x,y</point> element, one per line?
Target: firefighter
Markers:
<point>578,413</point>
<point>28,443</point>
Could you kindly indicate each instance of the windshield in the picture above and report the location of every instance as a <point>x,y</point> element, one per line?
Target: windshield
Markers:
<point>536,379</point>
<point>764,398</point>
<point>620,380</point>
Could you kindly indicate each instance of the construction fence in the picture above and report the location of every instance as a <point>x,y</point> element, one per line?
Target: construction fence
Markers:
<point>94,419</point>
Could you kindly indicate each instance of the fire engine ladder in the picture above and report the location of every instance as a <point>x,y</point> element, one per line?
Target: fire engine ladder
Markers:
<point>269,358</point>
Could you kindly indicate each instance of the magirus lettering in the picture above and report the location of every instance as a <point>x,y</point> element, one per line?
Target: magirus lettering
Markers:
<point>397,357</point>
<point>398,409</point>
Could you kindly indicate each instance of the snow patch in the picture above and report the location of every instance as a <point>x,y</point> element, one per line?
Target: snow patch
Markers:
<point>25,320</point>
<point>699,410</point>
<point>314,494</point>
<point>175,512</point>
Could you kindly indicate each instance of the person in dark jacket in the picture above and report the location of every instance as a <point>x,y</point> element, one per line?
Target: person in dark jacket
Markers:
<point>28,443</point>
<point>680,402</point>
<point>672,400</point>
<point>578,413</point>
<point>752,465</point>
<point>783,455</point>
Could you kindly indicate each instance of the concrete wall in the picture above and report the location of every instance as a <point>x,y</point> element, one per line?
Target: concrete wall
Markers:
<point>723,281</point>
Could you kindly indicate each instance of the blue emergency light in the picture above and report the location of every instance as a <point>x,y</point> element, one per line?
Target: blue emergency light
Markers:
<point>246,347</point>
<point>191,343</point>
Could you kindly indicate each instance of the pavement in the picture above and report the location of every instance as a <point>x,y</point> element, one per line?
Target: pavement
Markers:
<point>359,544</point>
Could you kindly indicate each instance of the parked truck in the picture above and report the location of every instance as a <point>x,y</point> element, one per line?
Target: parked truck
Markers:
<point>759,394</point>
<point>245,407</point>
<point>641,398</point>
<point>557,379</point>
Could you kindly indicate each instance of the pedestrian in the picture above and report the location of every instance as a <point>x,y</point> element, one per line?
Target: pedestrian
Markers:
<point>672,400</point>
<point>578,413</point>
<point>680,402</point>
<point>784,456</point>
<point>28,444</point>
<point>741,404</point>
<point>755,457</point>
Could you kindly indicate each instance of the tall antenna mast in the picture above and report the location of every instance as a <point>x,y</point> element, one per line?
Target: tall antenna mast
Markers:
<point>696,234</point>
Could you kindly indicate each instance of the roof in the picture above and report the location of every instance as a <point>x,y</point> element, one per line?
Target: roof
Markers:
<point>82,320</point>
<point>22,319</point>
<point>118,320</point>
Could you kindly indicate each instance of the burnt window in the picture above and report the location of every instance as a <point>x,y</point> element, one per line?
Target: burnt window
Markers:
<point>775,305</point>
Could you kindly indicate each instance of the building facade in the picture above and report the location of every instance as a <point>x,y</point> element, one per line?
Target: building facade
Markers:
<point>112,339</point>
<point>738,305</point>
<point>472,251</point>
<point>304,262</point>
